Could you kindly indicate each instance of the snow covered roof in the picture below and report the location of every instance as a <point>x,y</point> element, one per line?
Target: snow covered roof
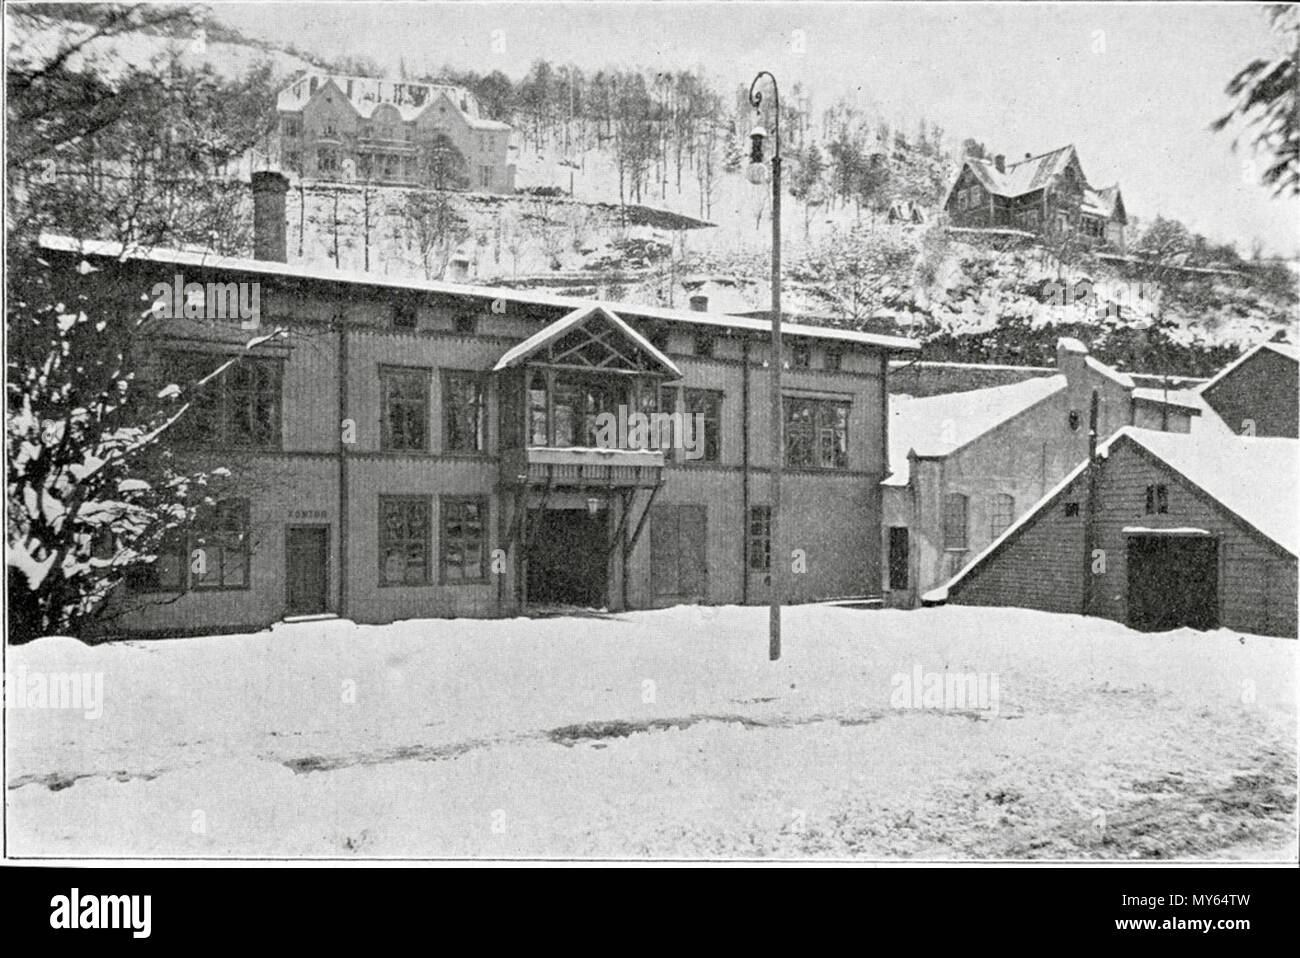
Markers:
<point>205,260</point>
<point>940,425</point>
<point>1023,177</point>
<point>1253,478</point>
<point>1183,399</point>
<point>1282,349</point>
<point>557,329</point>
<point>1097,366</point>
<point>1101,202</point>
<point>367,94</point>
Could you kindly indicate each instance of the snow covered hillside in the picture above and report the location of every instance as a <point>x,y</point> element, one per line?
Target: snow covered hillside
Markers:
<point>667,734</point>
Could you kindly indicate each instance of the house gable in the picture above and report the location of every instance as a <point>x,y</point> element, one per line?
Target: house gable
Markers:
<point>1259,393</point>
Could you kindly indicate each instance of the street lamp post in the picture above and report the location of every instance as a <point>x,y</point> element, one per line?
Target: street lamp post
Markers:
<point>776,561</point>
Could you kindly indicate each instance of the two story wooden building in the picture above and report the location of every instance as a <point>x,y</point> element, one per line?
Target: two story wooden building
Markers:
<point>1046,194</point>
<point>410,448</point>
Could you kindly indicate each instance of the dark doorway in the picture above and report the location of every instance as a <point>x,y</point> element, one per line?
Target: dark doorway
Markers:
<point>1173,581</point>
<point>567,561</point>
<point>898,558</point>
<point>307,569</point>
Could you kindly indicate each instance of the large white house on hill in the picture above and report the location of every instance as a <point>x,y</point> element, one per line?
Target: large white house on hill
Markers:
<point>360,128</point>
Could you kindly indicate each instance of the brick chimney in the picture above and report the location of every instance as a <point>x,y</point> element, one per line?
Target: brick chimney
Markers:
<point>269,241</point>
<point>1000,161</point>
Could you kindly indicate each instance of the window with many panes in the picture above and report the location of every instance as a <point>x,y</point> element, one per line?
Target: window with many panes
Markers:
<point>1001,511</point>
<point>816,433</point>
<point>463,539</point>
<point>801,356</point>
<point>219,547</point>
<point>760,538</point>
<point>1157,499</point>
<point>954,521</point>
<point>704,407</point>
<point>405,409</point>
<point>211,555</point>
<point>403,540</point>
<point>463,411</point>
<point>240,407</point>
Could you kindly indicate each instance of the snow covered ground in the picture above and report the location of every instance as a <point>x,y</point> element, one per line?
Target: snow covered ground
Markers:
<point>666,734</point>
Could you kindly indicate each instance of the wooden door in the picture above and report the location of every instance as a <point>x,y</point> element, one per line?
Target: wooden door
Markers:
<point>307,569</point>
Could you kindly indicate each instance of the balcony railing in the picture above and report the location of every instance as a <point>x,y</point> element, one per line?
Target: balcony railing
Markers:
<point>581,467</point>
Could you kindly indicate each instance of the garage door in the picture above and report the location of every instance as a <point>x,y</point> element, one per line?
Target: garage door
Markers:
<point>1173,581</point>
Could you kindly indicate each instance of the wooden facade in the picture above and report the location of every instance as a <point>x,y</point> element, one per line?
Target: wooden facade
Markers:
<point>420,509</point>
<point>1211,567</point>
<point>1260,393</point>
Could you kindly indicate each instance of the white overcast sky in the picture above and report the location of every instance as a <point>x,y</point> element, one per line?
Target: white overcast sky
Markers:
<point>1133,86</point>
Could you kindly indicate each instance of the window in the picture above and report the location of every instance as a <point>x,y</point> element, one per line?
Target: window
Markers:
<point>405,407</point>
<point>704,342</point>
<point>1074,420</point>
<point>404,316</point>
<point>898,557</point>
<point>834,360</point>
<point>976,194</point>
<point>327,161</point>
<point>328,128</point>
<point>241,407</point>
<point>760,538</point>
<point>961,199</point>
<point>1157,499</point>
<point>464,539</point>
<point>1071,510</point>
<point>954,521</point>
<point>465,323</point>
<point>463,416</point>
<point>292,126</point>
<point>218,550</point>
<point>668,402</point>
<point>293,160</point>
<point>801,356</point>
<point>485,176</point>
<point>704,406</point>
<point>211,555</point>
<point>1001,511</point>
<point>537,419</point>
<point>403,540</point>
<point>816,433</point>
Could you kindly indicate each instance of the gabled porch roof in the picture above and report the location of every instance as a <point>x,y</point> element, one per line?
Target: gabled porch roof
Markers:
<point>591,337</point>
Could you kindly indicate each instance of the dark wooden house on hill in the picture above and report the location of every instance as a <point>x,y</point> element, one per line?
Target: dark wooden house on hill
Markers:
<point>1046,194</point>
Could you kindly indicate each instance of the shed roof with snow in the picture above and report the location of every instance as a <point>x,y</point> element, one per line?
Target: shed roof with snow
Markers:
<point>940,425</point>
